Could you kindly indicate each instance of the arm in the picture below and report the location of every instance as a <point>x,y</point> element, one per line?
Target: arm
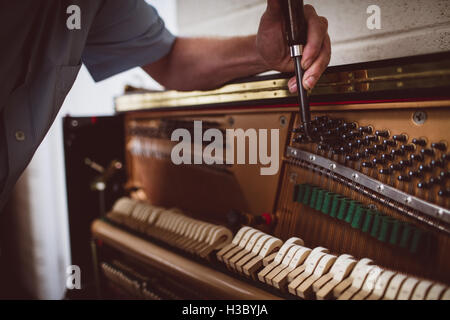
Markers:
<point>206,63</point>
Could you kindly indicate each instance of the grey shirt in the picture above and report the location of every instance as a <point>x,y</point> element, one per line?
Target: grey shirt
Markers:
<point>41,58</point>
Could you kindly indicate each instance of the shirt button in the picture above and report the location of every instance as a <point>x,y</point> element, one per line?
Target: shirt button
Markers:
<point>20,135</point>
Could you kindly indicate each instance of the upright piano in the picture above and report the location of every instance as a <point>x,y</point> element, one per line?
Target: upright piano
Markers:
<point>359,209</point>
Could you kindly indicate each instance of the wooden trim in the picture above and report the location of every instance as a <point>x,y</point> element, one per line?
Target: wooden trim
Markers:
<point>217,284</point>
<point>159,113</point>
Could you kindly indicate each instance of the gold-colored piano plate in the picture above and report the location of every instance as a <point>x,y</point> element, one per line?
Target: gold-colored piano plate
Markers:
<point>419,75</point>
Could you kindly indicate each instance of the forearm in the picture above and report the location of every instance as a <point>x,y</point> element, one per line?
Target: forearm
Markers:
<point>207,63</point>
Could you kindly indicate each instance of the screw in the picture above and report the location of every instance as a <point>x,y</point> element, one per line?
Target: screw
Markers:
<point>419,117</point>
<point>293,177</point>
<point>312,158</point>
<point>355,176</point>
<point>283,121</point>
<point>332,166</point>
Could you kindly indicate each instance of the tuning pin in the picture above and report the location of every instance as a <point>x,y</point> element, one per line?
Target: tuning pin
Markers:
<point>416,157</point>
<point>352,157</point>
<point>356,134</point>
<point>444,193</point>
<point>439,145</point>
<point>425,168</point>
<point>344,149</point>
<point>380,147</point>
<point>445,157</point>
<point>332,132</point>
<point>419,141</point>
<point>397,152</point>
<point>331,123</point>
<point>379,161</point>
<point>427,152</point>
<point>350,125</point>
<point>400,137</point>
<point>321,119</point>
<point>404,178</point>
<point>299,129</point>
<point>387,156</point>
<point>367,164</point>
<point>389,143</point>
<point>353,145</point>
<point>323,126</point>
<point>436,181</point>
<point>382,133</point>
<point>423,185</point>
<point>300,139</point>
<point>406,163</point>
<point>371,138</point>
<point>370,151</point>
<point>417,174</point>
<point>444,174</point>
<point>361,155</point>
<point>347,136</point>
<point>408,147</point>
<point>323,147</point>
<point>437,163</point>
<point>363,142</point>
<point>385,171</point>
<point>396,167</point>
<point>316,138</point>
<point>366,129</point>
<point>316,130</point>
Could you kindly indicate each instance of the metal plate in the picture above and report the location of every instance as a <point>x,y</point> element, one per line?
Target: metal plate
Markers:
<point>372,184</point>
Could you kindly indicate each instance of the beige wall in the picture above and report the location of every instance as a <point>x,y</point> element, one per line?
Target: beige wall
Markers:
<point>408,27</point>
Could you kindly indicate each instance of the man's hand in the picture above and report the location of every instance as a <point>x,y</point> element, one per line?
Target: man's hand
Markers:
<point>208,63</point>
<point>272,45</point>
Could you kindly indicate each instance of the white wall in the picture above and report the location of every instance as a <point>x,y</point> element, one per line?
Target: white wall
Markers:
<point>41,220</point>
<point>408,27</point>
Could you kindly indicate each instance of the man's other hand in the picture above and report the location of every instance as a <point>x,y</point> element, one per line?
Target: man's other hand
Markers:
<point>272,45</point>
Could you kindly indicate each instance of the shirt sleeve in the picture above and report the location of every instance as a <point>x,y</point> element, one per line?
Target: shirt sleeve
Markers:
<point>124,35</point>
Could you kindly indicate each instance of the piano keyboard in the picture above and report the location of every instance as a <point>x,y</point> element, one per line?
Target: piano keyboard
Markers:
<point>288,267</point>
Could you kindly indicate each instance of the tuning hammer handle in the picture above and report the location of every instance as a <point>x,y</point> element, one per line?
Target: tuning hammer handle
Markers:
<point>295,21</point>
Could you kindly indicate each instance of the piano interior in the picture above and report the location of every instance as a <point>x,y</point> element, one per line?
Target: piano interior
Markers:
<point>357,209</point>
